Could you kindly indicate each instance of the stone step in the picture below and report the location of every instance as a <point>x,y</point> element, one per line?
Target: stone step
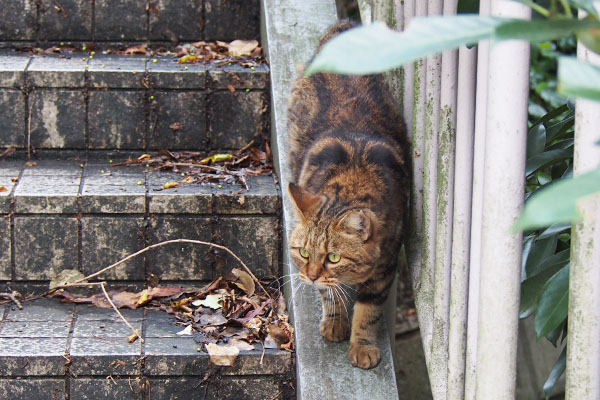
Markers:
<point>128,20</point>
<point>67,214</point>
<point>51,350</point>
<point>108,102</point>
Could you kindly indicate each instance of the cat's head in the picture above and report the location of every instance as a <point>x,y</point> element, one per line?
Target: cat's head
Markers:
<point>329,249</point>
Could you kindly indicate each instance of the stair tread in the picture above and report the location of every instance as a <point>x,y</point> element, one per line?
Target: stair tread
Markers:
<point>93,186</point>
<point>83,344</point>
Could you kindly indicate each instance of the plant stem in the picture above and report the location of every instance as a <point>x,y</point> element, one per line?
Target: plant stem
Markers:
<point>536,7</point>
<point>135,331</point>
<point>145,249</point>
<point>567,8</point>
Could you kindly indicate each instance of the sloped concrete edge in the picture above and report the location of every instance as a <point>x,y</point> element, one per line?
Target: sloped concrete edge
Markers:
<point>290,32</point>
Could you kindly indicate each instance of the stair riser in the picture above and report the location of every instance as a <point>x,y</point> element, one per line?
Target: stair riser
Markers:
<point>123,21</point>
<point>61,216</point>
<point>130,103</point>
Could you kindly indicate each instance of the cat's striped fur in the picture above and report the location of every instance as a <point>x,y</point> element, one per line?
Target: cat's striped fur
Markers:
<point>350,165</point>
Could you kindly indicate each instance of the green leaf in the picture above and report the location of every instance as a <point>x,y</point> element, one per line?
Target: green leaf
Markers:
<point>578,78</point>
<point>545,159</point>
<point>561,258</point>
<point>551,115</point>
<point>543,29</point>
<point>553,230</point>
<point>531,289</point>
<point>536,140</point>
<point>557,203</point>
<point>553,336</point>
<point>554,131</point>
<point>553,305</point>
<point>211,301</point>
<point>382,49</point>
<point>557,371</point>
<point>375,48</point>
<point>540,251</point>
<point>587,5</point>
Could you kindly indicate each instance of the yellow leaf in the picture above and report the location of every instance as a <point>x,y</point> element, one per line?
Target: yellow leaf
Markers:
<point>187,59</point>
<point>143,298</point>
<point>144,157</point>
<point>170,185</point>
<point>3,189</point>
<point>216,158</point>
<point>239,48</point>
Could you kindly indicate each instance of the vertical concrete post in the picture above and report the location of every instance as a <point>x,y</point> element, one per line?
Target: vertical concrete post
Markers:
<point>500,280</point>
<point>583,342</point>
<point>444,208</point>
<point>461,226</point>
<point>476,210</point>
<point>422,277</point>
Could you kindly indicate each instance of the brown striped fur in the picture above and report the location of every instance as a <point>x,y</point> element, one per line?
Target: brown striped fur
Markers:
<point>350,165</point>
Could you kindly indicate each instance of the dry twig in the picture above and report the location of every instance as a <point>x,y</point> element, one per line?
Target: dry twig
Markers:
<point>136,333</point>
<point>145,249</point>
<point>13,297</point>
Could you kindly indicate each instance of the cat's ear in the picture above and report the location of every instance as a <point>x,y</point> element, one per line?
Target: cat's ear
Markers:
<point>361,223</point>
<point>303,199</point>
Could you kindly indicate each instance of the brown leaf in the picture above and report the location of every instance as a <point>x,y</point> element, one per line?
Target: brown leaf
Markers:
<point>239,48</point>
<point>176,126</point>
<point>241,345</point>
<point>31,163</point>
<point>212,319</point>
<point>231,88</point>
<point>8,152</point>
<point>141,49</point>
<point>222,355</point>
<point>3,189</point>
<point>245,279</point>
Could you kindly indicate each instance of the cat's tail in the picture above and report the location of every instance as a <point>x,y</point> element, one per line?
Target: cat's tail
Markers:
<point>336,29</point>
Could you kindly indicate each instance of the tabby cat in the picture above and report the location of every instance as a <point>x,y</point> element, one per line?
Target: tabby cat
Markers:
<point>350,166</point>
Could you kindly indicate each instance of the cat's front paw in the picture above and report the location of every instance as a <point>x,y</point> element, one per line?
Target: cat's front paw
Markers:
<point>364,356</point>
<point>335,330</point>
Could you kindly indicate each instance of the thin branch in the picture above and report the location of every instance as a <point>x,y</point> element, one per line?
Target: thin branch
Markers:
<point>136,333</point>
<point>145,249</point>
<point>13,297</point>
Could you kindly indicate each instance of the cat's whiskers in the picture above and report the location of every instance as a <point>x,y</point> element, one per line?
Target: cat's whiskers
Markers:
<point>336,288</point>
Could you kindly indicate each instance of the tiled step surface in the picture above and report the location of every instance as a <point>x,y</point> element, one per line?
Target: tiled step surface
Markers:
<point>111,102</point>
<point>67,214</point>
<point>128,20</point>
<point>51,350</point>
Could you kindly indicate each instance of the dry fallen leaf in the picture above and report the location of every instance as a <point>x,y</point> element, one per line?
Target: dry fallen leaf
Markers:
<point>3,189</point>
<point>186,331</point>
<point>65,276</point>
<point>239,48</point>
<point>9,151</point>
<point>222,355</point>
<point>31,163</point>
<point>245,279</point>
<point>241,345</point>
<point>210,301</point>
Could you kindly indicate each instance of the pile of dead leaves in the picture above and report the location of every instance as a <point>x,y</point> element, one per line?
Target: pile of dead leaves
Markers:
<point>228,316</point>
<point>246,53</point>
<point>200,167</point>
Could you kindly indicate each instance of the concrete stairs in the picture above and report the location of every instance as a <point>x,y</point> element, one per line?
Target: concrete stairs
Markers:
<point>67,207</point>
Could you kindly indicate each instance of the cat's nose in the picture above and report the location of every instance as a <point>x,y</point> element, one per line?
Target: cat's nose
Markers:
<point>312,276</point>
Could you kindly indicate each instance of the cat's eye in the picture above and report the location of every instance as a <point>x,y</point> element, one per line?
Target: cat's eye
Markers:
<point>303,252</point>
<point>333,257</point>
